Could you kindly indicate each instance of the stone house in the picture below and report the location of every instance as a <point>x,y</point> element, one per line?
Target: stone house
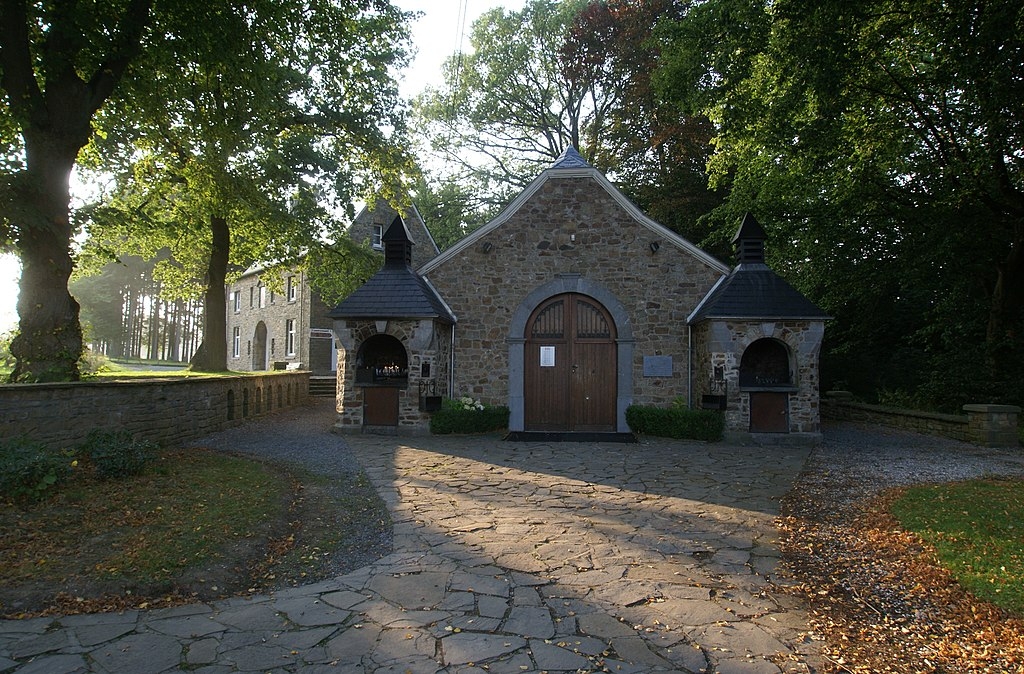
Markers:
<point>568,307</point>
<point>268,329</point>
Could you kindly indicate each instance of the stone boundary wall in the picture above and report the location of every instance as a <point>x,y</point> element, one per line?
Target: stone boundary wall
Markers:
<point>986,425</point>
<point>167,411</point>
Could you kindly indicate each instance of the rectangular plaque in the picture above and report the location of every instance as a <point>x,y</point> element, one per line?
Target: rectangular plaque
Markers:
<point>657,366</point>
<point>547,356</point>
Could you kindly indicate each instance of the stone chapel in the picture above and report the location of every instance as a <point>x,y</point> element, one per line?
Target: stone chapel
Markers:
<point>570,306</point>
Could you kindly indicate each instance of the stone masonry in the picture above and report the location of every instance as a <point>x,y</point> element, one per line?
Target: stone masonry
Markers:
<point>572,227</point>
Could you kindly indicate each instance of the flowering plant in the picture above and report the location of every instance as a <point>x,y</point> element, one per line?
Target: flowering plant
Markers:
<point>467,403</point>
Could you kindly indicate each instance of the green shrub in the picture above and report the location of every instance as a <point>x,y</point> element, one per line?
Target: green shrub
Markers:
<point>676,422</point>
<point>465,415</point>
<point>29,469</point>
<point>116,454</point>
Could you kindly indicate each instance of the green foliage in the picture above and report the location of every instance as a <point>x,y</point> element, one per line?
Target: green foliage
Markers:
<point>6,359</point>
<point>676,421</point>
<point>29,470</point>
<point>465,415</point>
<point>117,454</point>
<point>336,271</point>
<point>975,530</point>
<point>883,159</point>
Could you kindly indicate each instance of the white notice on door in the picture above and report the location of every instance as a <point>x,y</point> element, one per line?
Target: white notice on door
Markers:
<point>547,356</point>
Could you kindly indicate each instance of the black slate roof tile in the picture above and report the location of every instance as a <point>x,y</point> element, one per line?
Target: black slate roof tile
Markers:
<point>755,291</point>
<point>393,292</point>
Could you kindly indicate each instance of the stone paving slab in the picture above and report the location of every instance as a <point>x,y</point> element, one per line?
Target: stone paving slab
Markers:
<point>508,557</point>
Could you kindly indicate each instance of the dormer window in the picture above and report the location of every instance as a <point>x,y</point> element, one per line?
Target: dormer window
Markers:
<point>378,234</point>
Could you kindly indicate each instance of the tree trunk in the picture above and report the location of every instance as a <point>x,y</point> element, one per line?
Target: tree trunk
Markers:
<point>49,343</point>
<point>1005,311</point>
<point>212,354</point>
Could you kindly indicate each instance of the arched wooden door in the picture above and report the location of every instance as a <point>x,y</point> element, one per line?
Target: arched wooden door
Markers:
<point>569,366</point>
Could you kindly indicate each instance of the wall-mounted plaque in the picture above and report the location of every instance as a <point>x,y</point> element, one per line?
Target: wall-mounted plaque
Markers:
<point>657,366</point>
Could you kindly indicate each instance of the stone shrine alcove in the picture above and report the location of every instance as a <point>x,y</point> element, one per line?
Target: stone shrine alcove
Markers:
<point>382,359</point>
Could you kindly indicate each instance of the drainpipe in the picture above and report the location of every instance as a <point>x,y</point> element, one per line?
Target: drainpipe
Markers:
<point>451,367</point>
<point>689,366</point>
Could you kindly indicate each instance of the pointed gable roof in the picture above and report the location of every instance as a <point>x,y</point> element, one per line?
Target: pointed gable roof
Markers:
<point>570,164</point>
<point>396,291</point>
<point>753,290</point>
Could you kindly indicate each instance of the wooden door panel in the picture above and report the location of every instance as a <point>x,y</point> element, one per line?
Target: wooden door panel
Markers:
<point>575,392</point>
<point>769,412</point>
<point>546,405</point>
<point>380,406</point>
<point>592,389</point>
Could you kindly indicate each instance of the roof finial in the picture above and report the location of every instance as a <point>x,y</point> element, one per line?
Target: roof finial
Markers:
<point>749,241</point>
<point>397,244</point>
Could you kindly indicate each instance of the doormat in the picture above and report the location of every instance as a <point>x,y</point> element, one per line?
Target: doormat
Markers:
<point>552,436</point>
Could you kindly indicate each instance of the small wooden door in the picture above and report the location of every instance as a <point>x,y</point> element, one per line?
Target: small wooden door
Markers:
<point>570,366</point>
<point>769,412</point>
<point>380,406</point>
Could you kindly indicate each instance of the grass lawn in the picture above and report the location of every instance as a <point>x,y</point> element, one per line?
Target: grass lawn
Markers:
<point>196,524</point>
<point>977,530</point>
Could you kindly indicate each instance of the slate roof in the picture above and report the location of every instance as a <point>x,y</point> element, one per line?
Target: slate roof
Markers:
<point>570,159</point>
<point>396,291</point>
<point>755,291</point>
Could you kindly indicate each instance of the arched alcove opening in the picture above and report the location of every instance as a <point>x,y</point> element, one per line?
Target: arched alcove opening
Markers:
<point>382,359</point>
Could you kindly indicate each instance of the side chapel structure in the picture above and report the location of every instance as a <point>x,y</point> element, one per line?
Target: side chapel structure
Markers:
<point>570,306</point>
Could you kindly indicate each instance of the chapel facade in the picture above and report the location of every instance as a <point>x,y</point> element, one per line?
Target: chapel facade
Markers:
<point>568,307</point>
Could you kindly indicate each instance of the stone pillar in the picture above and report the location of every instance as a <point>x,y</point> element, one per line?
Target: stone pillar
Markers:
<point>992,425</point>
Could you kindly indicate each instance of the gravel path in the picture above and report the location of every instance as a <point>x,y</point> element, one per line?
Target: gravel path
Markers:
<point>300,435</point>
<point>859,460</point>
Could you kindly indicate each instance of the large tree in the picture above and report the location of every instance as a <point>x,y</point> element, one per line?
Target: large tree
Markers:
<point>577,73</point>
<point>63,61</point>
<point>508,106</point>
<point>280,114</point>
<point>881,143</point>
<point>657,152</point>
<point>59,63</point>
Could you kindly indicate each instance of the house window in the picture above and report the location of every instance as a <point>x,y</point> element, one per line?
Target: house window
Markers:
<point>289,344</point>
<point>252,290</point>
<point>236,301</point>
<point>292,289</point>
<point>236,339</point>
<point>263,297</point>
<point>376,240</point>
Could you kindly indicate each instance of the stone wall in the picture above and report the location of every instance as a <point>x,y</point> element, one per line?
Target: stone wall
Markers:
<point>721,344</point>
<point>571,228</point>
<point>425,342</point>
<point>986,425</point>
<point>167,411</point>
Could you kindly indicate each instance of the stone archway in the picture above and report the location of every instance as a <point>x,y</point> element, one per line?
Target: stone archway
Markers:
<point>616,311</point>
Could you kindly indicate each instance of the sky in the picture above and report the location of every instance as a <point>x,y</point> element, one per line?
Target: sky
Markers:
<point>436,35</point>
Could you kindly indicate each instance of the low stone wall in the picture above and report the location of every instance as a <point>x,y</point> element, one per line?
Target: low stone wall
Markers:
<point>987,425</point>
<point>167,411</point>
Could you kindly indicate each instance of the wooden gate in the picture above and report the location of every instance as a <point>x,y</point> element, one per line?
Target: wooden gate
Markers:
<point>569,380</point>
